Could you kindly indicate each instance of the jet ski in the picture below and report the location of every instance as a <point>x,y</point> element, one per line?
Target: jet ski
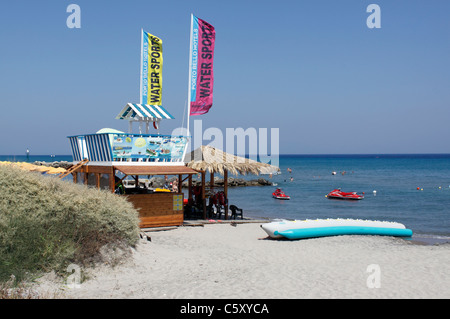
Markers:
<point>338,194</point>
<point>279,194</point>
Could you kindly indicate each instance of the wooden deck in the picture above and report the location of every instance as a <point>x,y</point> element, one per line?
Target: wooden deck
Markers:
<point>203,222</point>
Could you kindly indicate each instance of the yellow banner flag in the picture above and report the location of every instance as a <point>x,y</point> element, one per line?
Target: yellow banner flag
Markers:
<point>151,69</point>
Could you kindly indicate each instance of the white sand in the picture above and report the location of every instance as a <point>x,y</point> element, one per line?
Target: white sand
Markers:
<point>222,261</point>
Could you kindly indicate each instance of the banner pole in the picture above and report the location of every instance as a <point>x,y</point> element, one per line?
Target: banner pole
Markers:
<point>190,75</point>
<point>142,57</point>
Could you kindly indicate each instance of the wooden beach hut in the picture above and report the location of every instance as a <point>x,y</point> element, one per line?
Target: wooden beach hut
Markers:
<point>106,158</point>
<point>215,161</point>
<point>156,208</point>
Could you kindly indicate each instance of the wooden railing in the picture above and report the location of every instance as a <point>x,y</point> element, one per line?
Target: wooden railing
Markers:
<point>73,168</point>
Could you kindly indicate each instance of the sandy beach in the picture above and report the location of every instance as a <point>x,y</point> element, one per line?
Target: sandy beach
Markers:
<point>225,261</point>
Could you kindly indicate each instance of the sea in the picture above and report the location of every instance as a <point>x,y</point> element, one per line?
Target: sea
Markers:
<point>412,189</point>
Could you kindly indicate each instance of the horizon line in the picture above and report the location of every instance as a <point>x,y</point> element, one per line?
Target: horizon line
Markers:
<point>281,154</point>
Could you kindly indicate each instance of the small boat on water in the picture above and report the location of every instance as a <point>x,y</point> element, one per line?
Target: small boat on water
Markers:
<point>338,194</point>
<point>299,229</point>
<point>279,194</point>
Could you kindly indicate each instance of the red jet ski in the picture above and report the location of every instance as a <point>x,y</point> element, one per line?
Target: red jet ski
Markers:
<point>338,194</point>
<point>279,194</point>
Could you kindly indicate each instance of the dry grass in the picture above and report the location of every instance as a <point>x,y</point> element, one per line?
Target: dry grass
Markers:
<point>46,223</point>
<point>11,290</point>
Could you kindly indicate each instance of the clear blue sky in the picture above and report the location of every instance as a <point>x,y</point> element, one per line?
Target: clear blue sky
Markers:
<point>313,69</point>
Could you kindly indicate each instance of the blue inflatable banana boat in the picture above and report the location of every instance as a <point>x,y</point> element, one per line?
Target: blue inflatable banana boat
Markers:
<point>298,229</point>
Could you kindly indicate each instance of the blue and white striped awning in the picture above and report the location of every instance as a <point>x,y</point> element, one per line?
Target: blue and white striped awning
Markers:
<point>143,112</point>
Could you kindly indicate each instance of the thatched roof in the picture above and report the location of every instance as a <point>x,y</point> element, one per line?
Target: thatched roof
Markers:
<point>36,168</point>
<point>213,160</point>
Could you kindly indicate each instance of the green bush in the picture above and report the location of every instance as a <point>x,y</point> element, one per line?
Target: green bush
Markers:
<point>46,223</point>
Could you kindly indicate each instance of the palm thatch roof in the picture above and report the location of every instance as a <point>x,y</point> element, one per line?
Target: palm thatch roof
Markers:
<point>35,168</point>
<point>213,160</point>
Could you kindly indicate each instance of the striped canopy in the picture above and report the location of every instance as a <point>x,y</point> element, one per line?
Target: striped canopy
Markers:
<point>142,112</point>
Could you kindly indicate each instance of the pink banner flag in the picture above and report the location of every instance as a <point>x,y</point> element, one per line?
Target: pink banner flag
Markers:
<point>203,36</point>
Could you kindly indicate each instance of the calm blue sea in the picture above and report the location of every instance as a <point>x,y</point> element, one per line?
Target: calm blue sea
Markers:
<point>33,158</point>
<point>395,178</point>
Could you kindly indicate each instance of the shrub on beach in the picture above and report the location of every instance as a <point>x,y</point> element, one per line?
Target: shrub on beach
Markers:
<point>46,223</point>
